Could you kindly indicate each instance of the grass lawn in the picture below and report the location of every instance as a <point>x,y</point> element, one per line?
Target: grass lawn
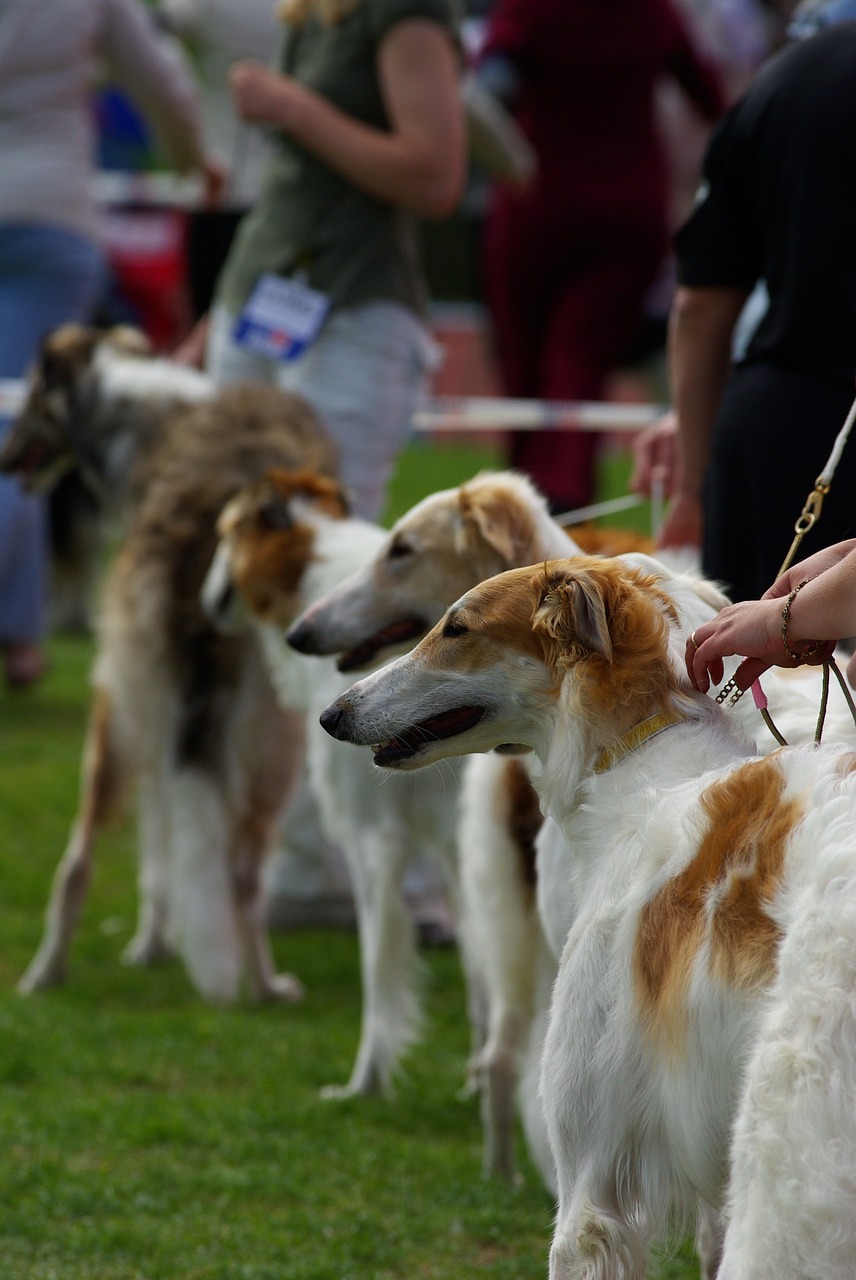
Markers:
<point>146,1136</point>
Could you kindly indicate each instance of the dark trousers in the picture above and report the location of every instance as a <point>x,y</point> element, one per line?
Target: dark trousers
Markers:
<point>773,436</point>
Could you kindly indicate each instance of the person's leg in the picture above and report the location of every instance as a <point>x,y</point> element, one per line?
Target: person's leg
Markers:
<point>47,277</point>
<point>523,267</point>
<point>588,333</point>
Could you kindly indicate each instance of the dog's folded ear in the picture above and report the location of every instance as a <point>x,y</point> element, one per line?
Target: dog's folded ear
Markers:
<point>572,612</point>
<point>492,515</point>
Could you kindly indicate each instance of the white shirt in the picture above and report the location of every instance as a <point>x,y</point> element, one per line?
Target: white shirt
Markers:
<point>48,50</point>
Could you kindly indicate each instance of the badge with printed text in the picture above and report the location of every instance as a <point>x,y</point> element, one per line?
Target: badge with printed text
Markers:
<point>281,319</point>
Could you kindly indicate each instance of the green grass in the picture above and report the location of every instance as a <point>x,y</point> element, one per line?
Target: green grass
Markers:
<point>146,1136</point>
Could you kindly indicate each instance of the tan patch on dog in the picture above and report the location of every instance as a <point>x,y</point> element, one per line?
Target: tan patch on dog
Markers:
<point>610,621</point>
<point>847,764</point>
<point>269,547</point>
<point>525,818</point>
<point>719,902</point>
<point>595,540</point>
<point>105,780</point>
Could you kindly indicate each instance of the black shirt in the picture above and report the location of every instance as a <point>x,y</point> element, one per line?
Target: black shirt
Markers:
<point>778,203</point>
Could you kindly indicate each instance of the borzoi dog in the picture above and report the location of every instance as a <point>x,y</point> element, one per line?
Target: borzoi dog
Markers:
<point>283,542</point>
<point>702,1039</point>
<point>446,544</point>
<point>184,712</point>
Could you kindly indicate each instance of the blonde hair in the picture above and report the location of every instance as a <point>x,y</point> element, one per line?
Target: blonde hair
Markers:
<point>330,12</point>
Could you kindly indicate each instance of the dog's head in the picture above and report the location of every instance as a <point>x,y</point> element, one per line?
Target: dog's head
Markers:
<point>265,545</point>
<point>47,439</point>
<point>442,547</point>
<point>585,638</point>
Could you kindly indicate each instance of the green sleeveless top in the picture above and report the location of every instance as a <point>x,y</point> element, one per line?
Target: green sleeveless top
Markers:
<point>308,219</point>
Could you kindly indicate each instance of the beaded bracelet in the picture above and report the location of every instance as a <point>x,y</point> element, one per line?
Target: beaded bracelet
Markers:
<point>786,617</point>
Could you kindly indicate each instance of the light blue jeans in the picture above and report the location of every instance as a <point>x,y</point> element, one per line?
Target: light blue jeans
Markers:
<point>47,276</point>
<point>365,376</point>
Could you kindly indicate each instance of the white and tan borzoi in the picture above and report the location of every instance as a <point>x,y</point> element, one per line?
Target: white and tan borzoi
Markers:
<point>283,542</point>
<point>702,1040</point>
<point>179,710</point>
<point>446,544</point>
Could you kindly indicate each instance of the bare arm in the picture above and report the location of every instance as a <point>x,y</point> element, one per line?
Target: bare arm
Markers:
<point>419,163</point>
<point>701,324</point>
<point>154,74</point>
<point>824,609</point>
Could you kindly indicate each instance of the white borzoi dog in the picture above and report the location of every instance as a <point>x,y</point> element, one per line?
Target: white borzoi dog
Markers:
<point>283,542</point>
<point>186,714</point>
<point>446,544</point>
<point>702,1039</point>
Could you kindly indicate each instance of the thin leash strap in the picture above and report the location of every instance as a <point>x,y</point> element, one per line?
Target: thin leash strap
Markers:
<point>824,703</point>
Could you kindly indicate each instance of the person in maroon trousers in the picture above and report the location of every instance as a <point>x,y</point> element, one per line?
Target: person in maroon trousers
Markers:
<point>568,260</point>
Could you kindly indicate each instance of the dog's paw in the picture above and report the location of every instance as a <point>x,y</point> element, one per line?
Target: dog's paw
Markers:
<point>285,988</point>
<point>43,971</point>
<point>365,1082</point>
<point>338,1092</point>
<point>145,950</point>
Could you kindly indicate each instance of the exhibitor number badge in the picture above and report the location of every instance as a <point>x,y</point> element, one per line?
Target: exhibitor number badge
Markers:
<point>281,319</point>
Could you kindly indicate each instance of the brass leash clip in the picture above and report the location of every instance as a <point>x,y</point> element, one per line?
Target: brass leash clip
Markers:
<point>809,516</point>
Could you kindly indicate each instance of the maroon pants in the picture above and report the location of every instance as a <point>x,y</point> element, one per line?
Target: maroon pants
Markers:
<point>565,292</point>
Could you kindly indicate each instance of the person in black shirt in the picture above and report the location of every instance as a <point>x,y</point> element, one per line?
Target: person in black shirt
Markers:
<point>775,210</point>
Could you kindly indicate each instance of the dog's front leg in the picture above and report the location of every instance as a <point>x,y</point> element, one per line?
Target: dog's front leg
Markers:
<point>101,783</point>
<point>388,959</point>
<point>593,1085</point>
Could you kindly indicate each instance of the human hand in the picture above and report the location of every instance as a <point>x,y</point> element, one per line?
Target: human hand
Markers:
<point>191,350</point>
<point>655,455</point>
<point>815,565</point>
<point>262,96</point>
<point>752,629</point>
<point>214,182</point>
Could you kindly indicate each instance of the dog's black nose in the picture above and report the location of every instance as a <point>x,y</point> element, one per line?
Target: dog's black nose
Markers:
<point>330,719</point>
<point>300,637</point>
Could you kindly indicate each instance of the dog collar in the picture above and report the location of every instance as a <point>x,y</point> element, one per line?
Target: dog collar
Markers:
<point>635,737</point>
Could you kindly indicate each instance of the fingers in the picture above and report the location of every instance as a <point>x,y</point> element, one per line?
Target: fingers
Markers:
<point>702,665</point>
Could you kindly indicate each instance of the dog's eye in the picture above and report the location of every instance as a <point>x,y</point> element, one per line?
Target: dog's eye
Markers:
<point>399,549</point>
<point>454,628</point>
<point>276,515</point>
